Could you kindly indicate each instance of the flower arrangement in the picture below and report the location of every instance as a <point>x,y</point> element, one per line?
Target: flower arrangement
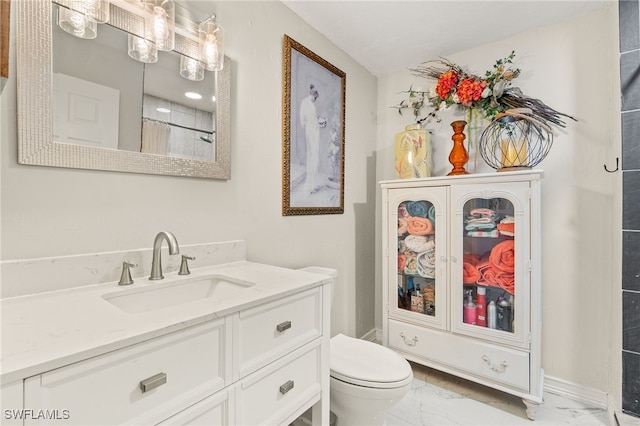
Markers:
<point>490,94</point>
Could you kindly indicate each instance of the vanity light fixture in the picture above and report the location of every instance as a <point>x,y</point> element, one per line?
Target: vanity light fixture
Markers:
<point>142,50</point>
<point>191,69</point>
<point>76,23</point>
<point>160,23</point>
<point>211,44</point>
<point>95,10</point>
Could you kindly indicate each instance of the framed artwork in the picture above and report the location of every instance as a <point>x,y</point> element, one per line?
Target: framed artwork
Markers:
<point>4,38</point>
<point>313,133</point>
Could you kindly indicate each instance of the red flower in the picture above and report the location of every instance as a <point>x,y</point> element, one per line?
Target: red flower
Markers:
<point>470,90</point>
<point>446,82</point>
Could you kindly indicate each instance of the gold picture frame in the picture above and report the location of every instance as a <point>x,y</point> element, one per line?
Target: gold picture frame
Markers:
<point>313,133</point>
<point>5,6</point>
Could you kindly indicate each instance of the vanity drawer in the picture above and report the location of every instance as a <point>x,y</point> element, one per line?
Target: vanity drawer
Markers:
<point>494,362</point>
<point>264,397</point>
<point>176,370</point>
<point>269,331</point>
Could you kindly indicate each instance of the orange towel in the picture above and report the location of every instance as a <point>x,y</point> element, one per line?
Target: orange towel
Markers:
<point>419,226</point>
<point>470,274</point>
<point>402,262</point>
<point>491,276</point>
<point>502,256</point>
<point>473,259</point>
<point>507,228</point>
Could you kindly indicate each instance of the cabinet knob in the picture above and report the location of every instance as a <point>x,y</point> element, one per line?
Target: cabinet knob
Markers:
<point>153,382</point>
<point>454,259</point>
<point>286,387</point>
<point>283,326</point>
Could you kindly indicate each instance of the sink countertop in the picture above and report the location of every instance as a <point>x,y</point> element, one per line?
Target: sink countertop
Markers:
<point>45,331</point>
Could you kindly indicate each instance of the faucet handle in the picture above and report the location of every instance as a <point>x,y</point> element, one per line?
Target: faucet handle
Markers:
<point>184,266</point>
<point>125,277</point>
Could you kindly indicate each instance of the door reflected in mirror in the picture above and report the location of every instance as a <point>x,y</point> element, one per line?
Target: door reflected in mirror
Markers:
<point>105,99</point>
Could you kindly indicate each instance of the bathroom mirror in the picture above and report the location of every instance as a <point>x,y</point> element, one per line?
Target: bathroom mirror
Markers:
<point>197,149</point>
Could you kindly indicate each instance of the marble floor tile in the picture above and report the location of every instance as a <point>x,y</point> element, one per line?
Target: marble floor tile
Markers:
<point>437,399</point>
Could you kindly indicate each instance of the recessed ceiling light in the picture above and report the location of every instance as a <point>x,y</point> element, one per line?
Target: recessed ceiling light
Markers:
<point>213,98</point>
<point>165,110</point>
<point>193,95</point>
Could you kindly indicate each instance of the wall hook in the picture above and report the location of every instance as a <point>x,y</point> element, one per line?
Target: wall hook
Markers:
<point>616,169</point>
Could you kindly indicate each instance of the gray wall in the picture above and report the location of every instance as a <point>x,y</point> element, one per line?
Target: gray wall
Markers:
<point>630,82</point>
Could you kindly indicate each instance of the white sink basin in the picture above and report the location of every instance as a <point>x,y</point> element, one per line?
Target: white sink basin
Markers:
<point>163,295</point>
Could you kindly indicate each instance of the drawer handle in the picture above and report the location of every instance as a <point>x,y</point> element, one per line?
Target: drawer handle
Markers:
<point>153,382</point>
<point>286,387</point>
<point>500,369</point>
<point>283,326</point>
<point>411,342</point>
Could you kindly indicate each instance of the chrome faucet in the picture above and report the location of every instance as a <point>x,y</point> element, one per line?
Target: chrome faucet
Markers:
<point>156,263</point>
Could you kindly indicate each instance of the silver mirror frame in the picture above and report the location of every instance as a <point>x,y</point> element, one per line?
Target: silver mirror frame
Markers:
<point>35,124</point>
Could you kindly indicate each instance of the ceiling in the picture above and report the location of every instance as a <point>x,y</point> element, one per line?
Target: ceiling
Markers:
<point>385,36</point>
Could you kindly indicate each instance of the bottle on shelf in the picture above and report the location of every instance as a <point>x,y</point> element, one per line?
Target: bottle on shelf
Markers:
<point>417,301</point>
<point>492,315</point>
<point>469,314</point>
<point>505,314</point>
<point>481,307</point>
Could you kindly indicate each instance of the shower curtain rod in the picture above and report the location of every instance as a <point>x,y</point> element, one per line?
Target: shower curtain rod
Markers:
<point>209,132</point>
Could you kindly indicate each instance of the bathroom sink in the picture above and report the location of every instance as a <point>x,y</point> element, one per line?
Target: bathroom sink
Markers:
<point>163,295</point>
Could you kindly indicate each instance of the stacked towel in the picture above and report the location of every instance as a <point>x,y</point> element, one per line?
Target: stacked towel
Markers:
<point>416,238</point>
<point>507,226</point>
<point>498,270</point>
<point>480,220</point>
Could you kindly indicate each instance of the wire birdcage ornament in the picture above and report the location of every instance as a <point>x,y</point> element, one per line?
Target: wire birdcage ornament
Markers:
<point>515,141</point>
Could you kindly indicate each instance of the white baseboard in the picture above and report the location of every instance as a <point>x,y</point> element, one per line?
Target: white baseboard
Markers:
<point>372,336</point>
<point>576,392</point>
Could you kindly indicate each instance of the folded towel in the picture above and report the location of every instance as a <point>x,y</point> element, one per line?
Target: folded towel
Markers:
<point>480,220</point>
<point>502,256</point>
<point>419,243</point>
<point>507,226</point>
<point>480,226</point>
<point>470,274</point>
<point>427,264</point>
<point>419,226</point>
<point>431,215</point>
<point>482,212</point>
<point>402,262</point>
<point>411,267</point>
<point>488,234</point>
<point>402,225</point>
<point>418,208</point>
<point>402,211</point>
<point>473,259</point>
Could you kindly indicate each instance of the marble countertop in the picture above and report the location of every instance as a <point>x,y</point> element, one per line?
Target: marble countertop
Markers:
<point>49,330</point>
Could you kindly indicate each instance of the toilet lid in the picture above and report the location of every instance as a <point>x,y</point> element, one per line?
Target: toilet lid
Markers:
<point>365,363</point>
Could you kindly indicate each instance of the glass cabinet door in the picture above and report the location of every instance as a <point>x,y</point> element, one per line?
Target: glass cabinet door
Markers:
<point>418,290</point>
<point>490,252</point>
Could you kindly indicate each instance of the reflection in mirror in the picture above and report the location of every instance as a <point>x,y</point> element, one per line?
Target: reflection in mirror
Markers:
<point>84,103</point>
<point>93,105</point>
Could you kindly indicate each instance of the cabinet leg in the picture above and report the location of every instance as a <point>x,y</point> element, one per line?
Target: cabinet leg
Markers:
<point>532,408</point>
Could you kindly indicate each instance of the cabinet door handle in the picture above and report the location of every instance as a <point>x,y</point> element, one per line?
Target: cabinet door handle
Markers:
<point>286,387</point>
<point>411,342</point>
<point>283,326</point>
<point>499,369</point>
<point>153,382</point>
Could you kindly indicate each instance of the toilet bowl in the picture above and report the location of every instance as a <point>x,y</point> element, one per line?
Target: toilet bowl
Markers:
<point>366,378</point>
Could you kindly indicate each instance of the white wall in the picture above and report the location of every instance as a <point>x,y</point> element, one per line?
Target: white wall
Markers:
<point>572,67</point>
<point>56,212</point>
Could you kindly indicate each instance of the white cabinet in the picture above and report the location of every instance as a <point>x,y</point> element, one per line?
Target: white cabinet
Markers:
<point>263,365</point>
<point>461,277</point>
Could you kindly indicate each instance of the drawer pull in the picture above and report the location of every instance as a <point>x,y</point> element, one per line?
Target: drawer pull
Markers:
<point>411,342</point>
<point>500,369</point>
<point>283,326</point>
<point>153,382</point>
<point>286,387</point>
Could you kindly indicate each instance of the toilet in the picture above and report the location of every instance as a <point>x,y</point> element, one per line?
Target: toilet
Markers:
<point>366,378</point>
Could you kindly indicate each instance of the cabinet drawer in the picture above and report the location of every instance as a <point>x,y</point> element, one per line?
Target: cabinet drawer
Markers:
<point>264,397</point>
<point>497,363</point>
<point>269,331</point>
<point>177,370</point>
<point>211,411</point>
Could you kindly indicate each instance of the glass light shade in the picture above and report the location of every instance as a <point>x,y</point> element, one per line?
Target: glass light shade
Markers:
<point>95,10</point>
<point>211,44</point>
<point>191,69</point>
<point>142,50</point>
<point>76,23</point>
<point>160,23</point>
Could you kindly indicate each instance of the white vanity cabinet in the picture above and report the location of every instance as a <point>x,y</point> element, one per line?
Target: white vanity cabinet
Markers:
<point>461,277</point>
<point>262,365</point>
